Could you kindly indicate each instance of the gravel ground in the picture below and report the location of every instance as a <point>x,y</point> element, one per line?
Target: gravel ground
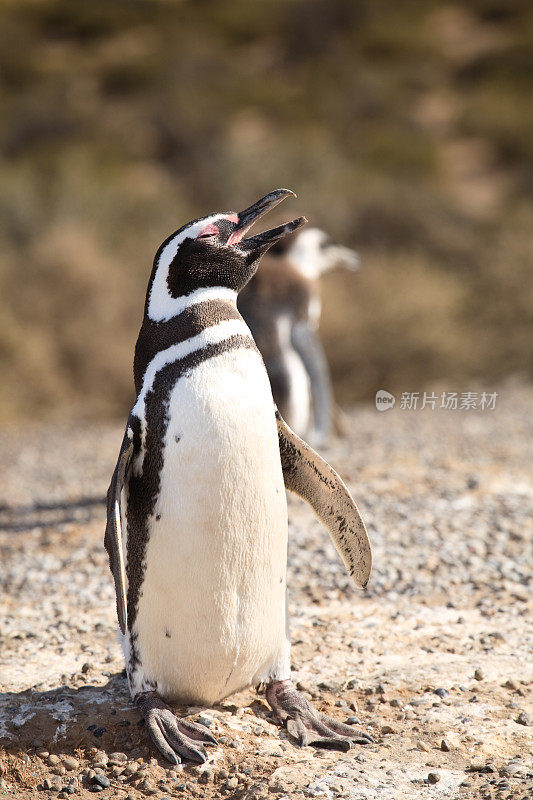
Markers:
<point>432,658</point>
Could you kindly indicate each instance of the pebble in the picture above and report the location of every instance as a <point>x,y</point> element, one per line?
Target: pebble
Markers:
<point>204,776</point>
<point>441,692</point>
<point>101,780</point>
<point>511,770</point>
<point>353,721</point>
<point>433,777</point>
<point>395,703</point>
<point>523,718</point>
<point>53,760</point>
<point>445,746</point>
<point>118,758</point>
<point>511,684</point>
<point>47,783</point>
<point>423,746</point>
<point>71,763</point>
<point>131,768</point>
<point>387,729</point>
<point>147,786</point>
<point>231,783</point>
<point>479,674</point>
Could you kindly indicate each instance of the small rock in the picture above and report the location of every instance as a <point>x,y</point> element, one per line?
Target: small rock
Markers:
<point>101,780</point>
<point>509,684</point>
<point>96,788</point>
<point>387,729</point>
<point>204,776</point>
<point>523,718</point>
<point>479,674</point>
<point>231,783</point>
<point>395,703</point>
<point>43,754</point>
<point>60,770</point>
<point>222,774</point>
<point>207,722</point>
<point>53,760</point>
<point>100,758</point>
<point>118,758</point>
<point>131,768</point>
<point>445,746</point>
<point>47,783</point>
<point>511,770</point>
<point>353,721</point>
<point>441,692</point>
<point>86,667</point>
<point>147,786</point>
<point>433,777</point>
<point>71,763</point>
<point>423,746</point>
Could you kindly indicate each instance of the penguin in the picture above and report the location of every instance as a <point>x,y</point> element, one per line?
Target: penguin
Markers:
<point>196,509</point>
<point>282,305</point>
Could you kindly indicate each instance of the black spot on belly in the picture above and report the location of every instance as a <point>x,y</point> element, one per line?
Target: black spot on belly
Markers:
<point>177,438</point>
<point>158,517</point>
<point>167,634</point>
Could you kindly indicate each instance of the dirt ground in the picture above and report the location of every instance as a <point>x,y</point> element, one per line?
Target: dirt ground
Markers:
<point>434,658</point>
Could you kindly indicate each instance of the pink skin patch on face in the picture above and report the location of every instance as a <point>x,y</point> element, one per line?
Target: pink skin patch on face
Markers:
<point>209,230</point>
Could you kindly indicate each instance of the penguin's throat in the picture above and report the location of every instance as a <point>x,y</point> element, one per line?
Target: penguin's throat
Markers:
<point>163,308</point>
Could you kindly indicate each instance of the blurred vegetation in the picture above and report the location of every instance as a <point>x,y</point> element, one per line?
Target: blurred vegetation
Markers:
<point>406,128</point>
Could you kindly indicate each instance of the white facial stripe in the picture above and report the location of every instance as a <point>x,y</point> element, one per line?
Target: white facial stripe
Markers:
<point>213,335</point>
<point>161,305</point>
<point>175,305</point>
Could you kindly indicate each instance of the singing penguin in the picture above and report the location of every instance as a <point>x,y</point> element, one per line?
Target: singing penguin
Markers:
<point>196,510</point>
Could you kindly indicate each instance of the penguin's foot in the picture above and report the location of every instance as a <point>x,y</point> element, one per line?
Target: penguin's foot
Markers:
<point>174,738</point>
<point>308,725</point>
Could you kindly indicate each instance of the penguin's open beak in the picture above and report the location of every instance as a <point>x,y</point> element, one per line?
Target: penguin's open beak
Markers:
<point>262,241</point>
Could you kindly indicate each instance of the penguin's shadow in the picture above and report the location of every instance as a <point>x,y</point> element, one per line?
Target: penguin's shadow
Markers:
<point>50,515</point>
<point>64,719</point>
<point>67,719</point>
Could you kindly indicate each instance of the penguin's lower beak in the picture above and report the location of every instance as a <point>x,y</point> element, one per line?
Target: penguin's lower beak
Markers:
<point>246,218</point>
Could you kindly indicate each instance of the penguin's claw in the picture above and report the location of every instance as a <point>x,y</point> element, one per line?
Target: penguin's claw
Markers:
<point>174,738</point>
<point>306,724</point>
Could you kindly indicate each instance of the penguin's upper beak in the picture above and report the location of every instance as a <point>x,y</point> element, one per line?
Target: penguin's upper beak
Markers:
<point>246,219</point>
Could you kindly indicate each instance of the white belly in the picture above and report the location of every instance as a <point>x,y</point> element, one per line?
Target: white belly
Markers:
<point>299,400</point>
<point>211,617</point>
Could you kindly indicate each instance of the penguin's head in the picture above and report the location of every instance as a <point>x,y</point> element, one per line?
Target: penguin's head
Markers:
<point>313,253</point>
<point>212,252</point>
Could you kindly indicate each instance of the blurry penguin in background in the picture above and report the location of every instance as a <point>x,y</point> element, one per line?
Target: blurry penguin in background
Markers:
<point>282,306</point>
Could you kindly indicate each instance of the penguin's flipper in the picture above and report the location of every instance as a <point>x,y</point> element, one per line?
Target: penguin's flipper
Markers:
<point>113,531</point>
<point>314,480</point>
